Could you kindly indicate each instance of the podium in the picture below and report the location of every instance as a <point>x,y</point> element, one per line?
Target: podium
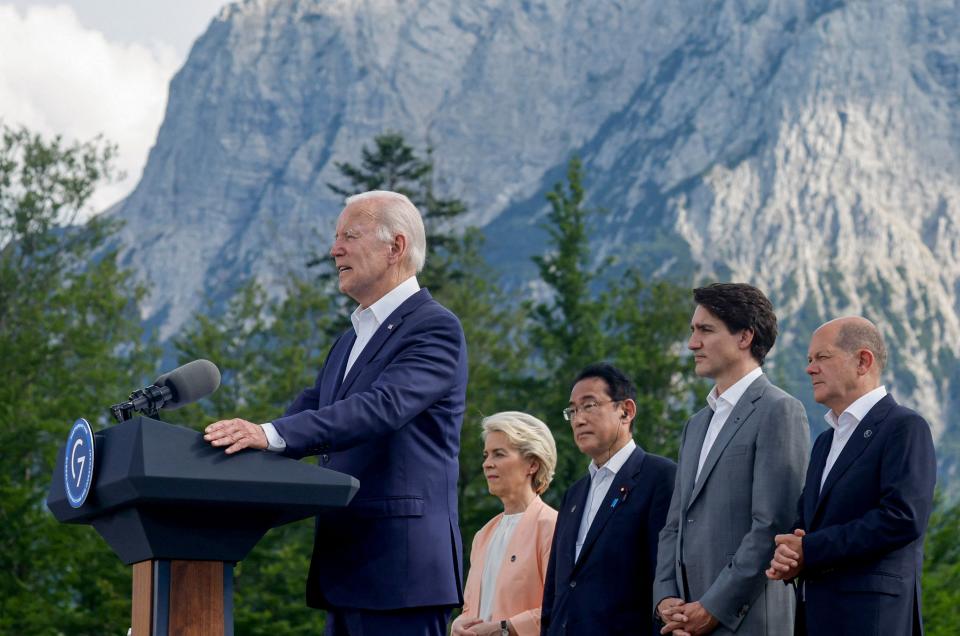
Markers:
<point>183,513</point>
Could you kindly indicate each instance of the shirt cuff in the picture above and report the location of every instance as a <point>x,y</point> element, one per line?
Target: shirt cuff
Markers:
<point>275,443</point>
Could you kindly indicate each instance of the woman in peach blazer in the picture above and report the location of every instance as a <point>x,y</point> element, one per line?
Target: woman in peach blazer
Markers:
<point>508,561</point>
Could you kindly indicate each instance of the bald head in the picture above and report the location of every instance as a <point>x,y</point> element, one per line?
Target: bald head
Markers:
<point>845,360</point>
<point>857,333</point>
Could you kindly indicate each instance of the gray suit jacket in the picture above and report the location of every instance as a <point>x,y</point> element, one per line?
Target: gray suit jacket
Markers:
<point>720,528</point>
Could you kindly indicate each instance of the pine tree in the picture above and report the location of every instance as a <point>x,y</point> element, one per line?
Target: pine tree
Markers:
<point>394,165</point>
<point>587,318</point>
<point>70,345</point>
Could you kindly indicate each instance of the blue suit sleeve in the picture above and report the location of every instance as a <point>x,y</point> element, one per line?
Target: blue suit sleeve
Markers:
<point>418,376</point>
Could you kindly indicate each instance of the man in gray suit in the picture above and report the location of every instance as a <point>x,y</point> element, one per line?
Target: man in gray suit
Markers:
<point>741,467</point>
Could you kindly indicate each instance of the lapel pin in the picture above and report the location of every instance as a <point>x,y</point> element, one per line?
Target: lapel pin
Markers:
<point>390,327</point>
<point>574,509</point>
<point>867,433</point>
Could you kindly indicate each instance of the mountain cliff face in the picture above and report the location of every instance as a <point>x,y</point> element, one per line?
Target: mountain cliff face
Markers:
<point>811,148</point>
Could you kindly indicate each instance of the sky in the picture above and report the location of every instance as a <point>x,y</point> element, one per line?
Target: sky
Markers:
<point>89,67</point>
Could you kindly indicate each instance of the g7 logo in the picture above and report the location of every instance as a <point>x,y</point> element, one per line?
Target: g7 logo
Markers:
<point>77,461</point>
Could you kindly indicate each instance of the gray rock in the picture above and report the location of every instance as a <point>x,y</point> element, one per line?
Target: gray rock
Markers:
<point>808,147</point>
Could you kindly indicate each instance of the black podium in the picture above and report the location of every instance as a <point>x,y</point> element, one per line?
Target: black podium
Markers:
<point>183,513</point>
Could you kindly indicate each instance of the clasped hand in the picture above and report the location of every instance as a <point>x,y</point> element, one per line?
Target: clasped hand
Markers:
<point>787,559</point>
<point>685,619</point>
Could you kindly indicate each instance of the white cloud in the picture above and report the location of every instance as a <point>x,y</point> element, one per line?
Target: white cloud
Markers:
<point>59,77</point>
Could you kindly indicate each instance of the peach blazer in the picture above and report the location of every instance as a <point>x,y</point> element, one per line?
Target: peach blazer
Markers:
<point>520,581</point>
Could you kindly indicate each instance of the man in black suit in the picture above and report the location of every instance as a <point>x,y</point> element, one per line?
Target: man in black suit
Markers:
<point>604,552</point>
<point>857,550</point>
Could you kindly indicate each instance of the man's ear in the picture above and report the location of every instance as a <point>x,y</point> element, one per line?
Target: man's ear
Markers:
<point>865,361</point>
<point>398,248</point>
<point>746,338</point>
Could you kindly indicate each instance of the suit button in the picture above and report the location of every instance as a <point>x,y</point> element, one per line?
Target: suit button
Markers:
<point>573,584</point>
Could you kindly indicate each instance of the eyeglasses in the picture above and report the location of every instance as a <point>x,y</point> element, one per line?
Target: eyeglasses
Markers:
<point>586,408</point>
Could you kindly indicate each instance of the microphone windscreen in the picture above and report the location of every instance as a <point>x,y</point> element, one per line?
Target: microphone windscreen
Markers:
<point>189,383</point>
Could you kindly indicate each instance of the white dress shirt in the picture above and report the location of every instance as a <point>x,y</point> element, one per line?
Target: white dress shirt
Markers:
<point>496,550</point>
<point>722,406</point>
<point>366,321</point>
<point>844,425</point>
<point>601,478</point>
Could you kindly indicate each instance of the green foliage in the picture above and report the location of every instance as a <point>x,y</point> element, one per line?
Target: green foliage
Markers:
<point>635,325</point>
<point>70,341</point>
<point>941,571</point>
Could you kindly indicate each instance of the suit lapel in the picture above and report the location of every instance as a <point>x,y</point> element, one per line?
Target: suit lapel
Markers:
<point>746,405</point>
<point>622,484</point>
<point>860,439</point>
<point>818,461</point>
<point>697,433</point>
<point>578,497</point>
<point>388,328</point>
<point>522,533</point>
<point>337,362</point>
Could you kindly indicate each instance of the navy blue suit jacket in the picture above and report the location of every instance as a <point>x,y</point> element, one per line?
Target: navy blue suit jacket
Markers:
<point>863,552</point>
<point>608,590</point>
<point>394,423</point>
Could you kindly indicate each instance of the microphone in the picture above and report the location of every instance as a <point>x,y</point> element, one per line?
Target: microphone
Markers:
<point>184,385</point>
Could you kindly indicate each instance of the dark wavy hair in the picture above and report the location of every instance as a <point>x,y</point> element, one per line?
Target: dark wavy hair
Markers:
<point>741,306</point>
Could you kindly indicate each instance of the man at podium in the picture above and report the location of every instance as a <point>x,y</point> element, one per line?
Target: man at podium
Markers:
<point>387,408</point>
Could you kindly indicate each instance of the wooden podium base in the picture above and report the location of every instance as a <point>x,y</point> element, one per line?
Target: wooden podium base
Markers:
<point>182,598</point>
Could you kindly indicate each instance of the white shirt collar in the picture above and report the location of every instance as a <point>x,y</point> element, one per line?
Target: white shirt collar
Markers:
<point>858,410</point>
<point>615,463</point>
<point>387,304</point>
<point>733,394</point>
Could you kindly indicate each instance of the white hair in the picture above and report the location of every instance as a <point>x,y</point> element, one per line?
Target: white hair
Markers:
<point>531,437</point>
<point>396,214</point>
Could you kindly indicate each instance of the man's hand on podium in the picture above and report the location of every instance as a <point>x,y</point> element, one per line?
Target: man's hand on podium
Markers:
<point>236,434</point>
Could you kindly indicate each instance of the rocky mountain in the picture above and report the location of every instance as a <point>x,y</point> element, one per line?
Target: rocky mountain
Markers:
<point>810,147</point>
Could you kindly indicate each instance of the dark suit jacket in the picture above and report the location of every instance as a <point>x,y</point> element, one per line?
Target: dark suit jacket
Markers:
<point>863,552</point>
<point>608,590</point>
<point>394,423</point>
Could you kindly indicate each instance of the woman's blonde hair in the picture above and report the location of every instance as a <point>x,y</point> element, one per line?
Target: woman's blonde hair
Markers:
<point>532,439</point>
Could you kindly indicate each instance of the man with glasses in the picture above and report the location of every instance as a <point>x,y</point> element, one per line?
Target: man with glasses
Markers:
<point>742,462</point>
<point>603,558</point>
